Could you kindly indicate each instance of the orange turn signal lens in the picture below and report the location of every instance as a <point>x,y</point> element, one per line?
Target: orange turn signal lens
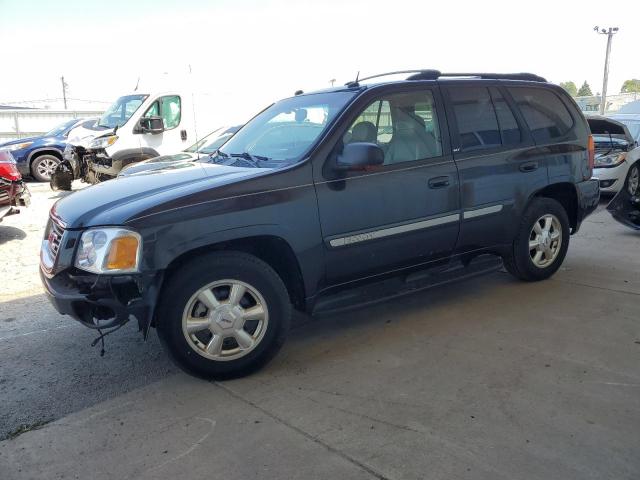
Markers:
<point>123,254</point>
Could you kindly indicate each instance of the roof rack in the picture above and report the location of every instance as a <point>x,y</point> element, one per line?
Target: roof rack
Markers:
<point>436,74</point>
<point>499,76</point>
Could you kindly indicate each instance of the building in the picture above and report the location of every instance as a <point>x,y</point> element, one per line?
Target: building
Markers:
<point>591,104</point>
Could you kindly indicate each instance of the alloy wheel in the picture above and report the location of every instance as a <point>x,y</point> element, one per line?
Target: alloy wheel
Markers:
<point>225,320</point>
<point>47,167</point>
<point>545,240</point>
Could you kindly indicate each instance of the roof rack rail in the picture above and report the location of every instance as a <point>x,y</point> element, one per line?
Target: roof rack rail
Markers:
<point>499,76</point>
<point>432,74</point>
<point>435,74</point>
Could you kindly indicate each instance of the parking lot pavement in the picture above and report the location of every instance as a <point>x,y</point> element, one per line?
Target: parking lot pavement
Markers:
<point>491,378</point>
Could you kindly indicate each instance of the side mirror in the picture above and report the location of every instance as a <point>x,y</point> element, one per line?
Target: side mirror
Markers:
<point>151,125</point>
<point>359,156</point>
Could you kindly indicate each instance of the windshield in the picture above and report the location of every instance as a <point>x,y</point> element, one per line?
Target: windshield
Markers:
<point>120,111</point>
<point>61,129</point>
<point>213,141</point>
<point>285,131</point>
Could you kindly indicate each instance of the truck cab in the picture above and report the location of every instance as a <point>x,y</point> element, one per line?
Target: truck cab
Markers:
<point>137,126</point>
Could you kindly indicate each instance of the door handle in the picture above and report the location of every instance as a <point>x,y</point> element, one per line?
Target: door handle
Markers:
<point>183,135</point>
<point>529,167</point>
<point>439,182</point>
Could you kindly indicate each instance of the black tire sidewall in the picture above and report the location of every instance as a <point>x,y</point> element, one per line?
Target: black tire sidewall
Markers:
<point>192,277</point>
<point>34,167</point>
<point>521,255</point>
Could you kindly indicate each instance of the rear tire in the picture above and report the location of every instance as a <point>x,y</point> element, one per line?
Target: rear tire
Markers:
<point>541,242</point>
<point>43,167</point>
<point>210,331</point>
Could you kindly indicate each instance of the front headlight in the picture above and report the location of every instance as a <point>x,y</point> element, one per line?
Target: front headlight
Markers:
<point>103,142</point>
<point>16,146</point>
<point>109,250</point>
<point>611,160</point>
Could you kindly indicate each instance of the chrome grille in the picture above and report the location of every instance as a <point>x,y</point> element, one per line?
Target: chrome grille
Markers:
<point>54,237</point>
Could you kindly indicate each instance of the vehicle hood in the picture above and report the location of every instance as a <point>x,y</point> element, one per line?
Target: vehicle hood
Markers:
<point>39,140</point>
<point>157,163</point>
<point>602,127</point>
<point>119,201</point>
<point>76,140</point>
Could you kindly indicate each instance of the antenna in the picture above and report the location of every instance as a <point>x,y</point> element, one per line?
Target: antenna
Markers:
<point>137,83</point>
<point>193,109</point>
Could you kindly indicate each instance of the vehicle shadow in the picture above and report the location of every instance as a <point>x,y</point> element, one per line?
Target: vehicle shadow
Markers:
<point>8,234</point>
<point>48,368</point>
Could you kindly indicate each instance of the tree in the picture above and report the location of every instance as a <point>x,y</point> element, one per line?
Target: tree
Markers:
<point>630,86</point>
<point>570,87</point>
<point>585,90</point>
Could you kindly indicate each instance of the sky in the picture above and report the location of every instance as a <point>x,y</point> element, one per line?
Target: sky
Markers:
<point>265,50</point>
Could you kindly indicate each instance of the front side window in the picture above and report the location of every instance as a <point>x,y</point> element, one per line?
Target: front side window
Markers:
<point>121,110</point>
<point>545,114</point>
<point>168,108</point>
<point>475,118</point>
<point>286,131</point>
<point>404,125</point>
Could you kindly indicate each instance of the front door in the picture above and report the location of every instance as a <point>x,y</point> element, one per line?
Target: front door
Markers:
<point>407,211</point>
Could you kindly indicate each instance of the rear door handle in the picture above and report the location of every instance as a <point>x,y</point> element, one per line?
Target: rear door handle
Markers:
<point>529,167</point>
<point>439,182</point>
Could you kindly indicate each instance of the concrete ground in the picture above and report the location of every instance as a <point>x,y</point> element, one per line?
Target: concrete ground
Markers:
<point>487,379</point>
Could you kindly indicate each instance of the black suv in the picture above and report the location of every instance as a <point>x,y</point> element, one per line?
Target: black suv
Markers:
<point>323,201</point>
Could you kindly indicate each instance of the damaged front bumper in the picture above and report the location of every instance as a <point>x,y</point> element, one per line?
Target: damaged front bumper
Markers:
<point>97,301</point>
<point>13,195</point>
<point>103,301</point>
<point>625,208</point>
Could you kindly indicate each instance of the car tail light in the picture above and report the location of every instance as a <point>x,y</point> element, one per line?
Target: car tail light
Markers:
<point>8,169</point>
<point>592,152</point>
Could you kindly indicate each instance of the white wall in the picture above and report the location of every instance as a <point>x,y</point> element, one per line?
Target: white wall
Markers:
<point>15,124</point>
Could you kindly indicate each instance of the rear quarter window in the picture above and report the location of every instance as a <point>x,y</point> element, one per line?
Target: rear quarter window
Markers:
<point>545,113</point>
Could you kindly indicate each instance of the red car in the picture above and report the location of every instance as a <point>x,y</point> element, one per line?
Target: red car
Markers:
<point>13,191</point>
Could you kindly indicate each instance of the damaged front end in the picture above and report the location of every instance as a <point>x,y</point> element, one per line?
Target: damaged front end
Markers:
<point>78,162</point>
<point>13,191</point>
<point>102,302</point>
<point>625,208</point>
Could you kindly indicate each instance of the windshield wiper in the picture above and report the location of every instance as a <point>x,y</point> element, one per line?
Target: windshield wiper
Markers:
<point>253,159</point>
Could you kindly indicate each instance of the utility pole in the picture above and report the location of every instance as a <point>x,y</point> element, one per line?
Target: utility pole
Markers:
<point>64,91</point>
<point>333,80</point>
<point>610,32</point>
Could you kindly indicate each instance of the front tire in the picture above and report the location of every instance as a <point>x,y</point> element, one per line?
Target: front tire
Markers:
<point>43,167</point>
<point>541,242</point>
<point>632,182</point>
<point>224,315</point>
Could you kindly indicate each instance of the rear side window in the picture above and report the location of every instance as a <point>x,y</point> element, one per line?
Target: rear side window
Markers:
<point>509,129</point>
<point>475,117</point>
<point>545,114</point>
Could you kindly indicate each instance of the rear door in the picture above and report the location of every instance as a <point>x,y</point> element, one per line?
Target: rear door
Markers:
<point>403,213</point>
<point>493,151</point>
